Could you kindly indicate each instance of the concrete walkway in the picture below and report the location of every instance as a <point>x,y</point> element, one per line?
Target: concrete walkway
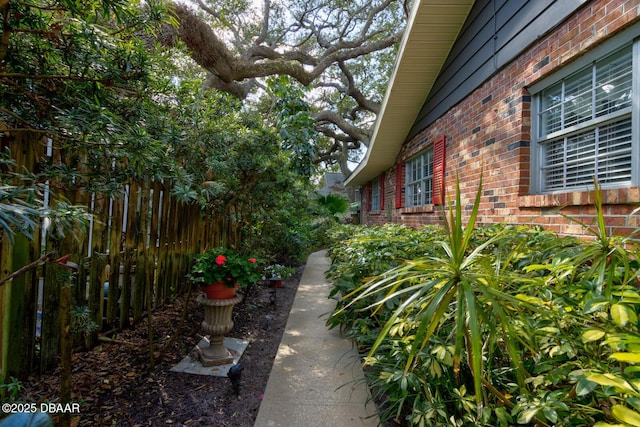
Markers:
<point>316,379</point>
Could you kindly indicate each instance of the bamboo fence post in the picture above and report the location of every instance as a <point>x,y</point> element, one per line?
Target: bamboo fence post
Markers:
<point>194,242</point>
<point>6,264</point>
<point>18,311</point>
<point>50,317</point>
<point>129,244</point>
<point>50,320</point>
<point>156,217</point>
<point>115,247</point>
<point>81,292</point>
<point>143,265</point>
<point>180,245</point>
<point>22,310</point>
<point>164,282</point>
<point>141,259</point>
<point>97,265</point>
<point>174,245</point>
<point>65,344</point>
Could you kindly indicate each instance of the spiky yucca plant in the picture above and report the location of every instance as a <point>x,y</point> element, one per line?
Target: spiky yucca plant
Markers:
<point>464,284</point>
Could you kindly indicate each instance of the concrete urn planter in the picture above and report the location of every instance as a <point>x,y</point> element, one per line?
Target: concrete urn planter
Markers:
<point>216,324</point>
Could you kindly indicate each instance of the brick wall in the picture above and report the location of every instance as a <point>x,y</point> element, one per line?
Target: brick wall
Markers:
<point>489,133</point>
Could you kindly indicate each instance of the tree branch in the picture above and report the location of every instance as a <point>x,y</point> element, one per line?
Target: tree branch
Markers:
<point>210,52</point>
<point>264,30</point>
<point>239,90</point>
<point>44,258</point>
<point>353,91</point>
<point>206,48</point>
<point>355,132</point>
<point>53,77</point>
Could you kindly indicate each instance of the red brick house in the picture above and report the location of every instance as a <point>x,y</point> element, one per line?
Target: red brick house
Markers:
<point>540,95</point>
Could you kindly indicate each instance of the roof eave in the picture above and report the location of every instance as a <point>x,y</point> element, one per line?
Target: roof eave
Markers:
<point>432,28</point>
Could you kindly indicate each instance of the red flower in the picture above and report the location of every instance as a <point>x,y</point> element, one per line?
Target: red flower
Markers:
<point>252,260</point>
<point>220,259</point>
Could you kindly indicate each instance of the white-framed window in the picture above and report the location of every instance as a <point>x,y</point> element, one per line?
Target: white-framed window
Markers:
<point>375,194</point>
<point>419,179</point>
<point>585,124</point>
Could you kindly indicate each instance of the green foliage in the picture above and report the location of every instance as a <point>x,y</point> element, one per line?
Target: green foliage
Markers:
<point>294,123</point>
<point>118,108</point>
<point>77,76</point>
<point>226,265</point>
<point>11,389</point>
<point>277,271</point>
<point>334,203</point>
<point>358,253</point>
<point>20,205</point>
<point>81,322</point>
<point>18,212</point>
<point>82,77</point>
<point>493,325</point>
<point>229,161</point>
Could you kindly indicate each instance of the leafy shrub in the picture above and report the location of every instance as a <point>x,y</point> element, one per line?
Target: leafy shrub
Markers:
<point>359,253</point>
<point>493,325</point>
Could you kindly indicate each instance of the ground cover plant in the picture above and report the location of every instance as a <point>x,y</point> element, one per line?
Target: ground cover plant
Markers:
<point>493,325</point>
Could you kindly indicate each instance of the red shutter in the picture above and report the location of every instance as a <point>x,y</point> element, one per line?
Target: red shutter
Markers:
<point>382,191</point>
<point>439,148</point>
<point>367,197</point>
<point>399,175</point>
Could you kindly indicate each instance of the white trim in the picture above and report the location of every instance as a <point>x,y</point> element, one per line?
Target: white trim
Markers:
<point>426,198</point>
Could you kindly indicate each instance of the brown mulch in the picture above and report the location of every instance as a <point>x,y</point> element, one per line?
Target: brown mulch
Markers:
<point>115,385</point>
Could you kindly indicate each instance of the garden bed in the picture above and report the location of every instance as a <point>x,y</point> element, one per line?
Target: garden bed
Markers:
<point>115,386</point>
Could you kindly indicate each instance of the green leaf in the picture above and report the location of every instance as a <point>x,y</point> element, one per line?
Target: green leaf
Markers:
<point>626,357</point>
<point>629,297</point>
<point>634,402</point>
<point>603,424</point>
<point>620,314</point>
<point>585,387</point>
<point>525,417</point>
<point>610,380</point>
<point>591,335</point>
<point>625,339</point>
<point>626,415</point>
<point>503,416</point>
<point>595,304</point>
<point>550,414</point>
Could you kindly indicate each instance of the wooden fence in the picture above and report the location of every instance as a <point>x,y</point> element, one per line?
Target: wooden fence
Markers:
<point>132,257</point>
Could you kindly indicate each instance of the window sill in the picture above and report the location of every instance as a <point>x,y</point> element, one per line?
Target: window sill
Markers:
<point>418,209</point>
<point>374,213</point>
<point>613,196</point>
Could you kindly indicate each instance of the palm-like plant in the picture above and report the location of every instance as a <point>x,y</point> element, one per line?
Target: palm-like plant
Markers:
<point>463,285</point>
<point>612,271</point>
<point>607,256</point>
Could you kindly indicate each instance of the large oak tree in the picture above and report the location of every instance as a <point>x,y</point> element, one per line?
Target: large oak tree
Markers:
<point>338,54</point>
<point>341,50</point>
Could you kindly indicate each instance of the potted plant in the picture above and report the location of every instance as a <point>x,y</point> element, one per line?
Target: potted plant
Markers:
<point>276,273</point>
<point>220,271</point>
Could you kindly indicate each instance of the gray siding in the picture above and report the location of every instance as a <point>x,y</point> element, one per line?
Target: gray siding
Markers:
<point>496,32</point>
